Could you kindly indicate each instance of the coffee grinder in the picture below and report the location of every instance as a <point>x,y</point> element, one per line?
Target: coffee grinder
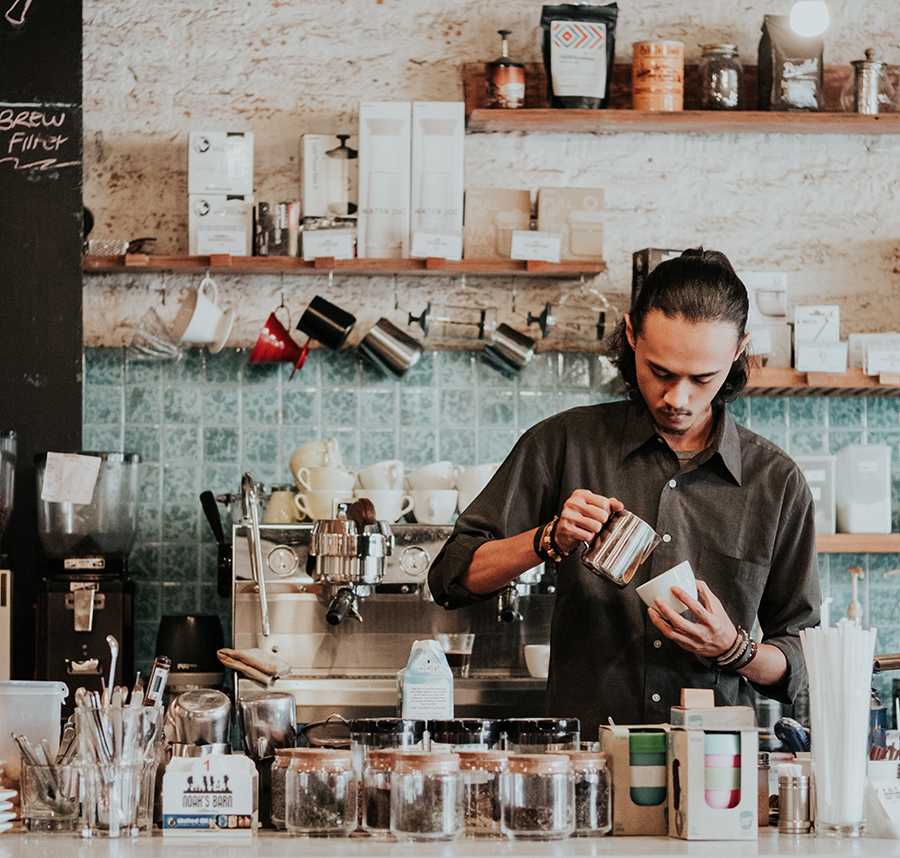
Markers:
<point>7,486</point>
<point>86,594</point>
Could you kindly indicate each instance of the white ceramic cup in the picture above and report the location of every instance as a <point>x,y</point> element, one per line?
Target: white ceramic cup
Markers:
<point>473,479</point>
<point>320,505</point>
<point>438,475</point>
<point>390,504</point>
<point>537,660</point>
<point>202,314</point>
<point>382,475</point>
<point>322,453</point>
<point>325,479</point>
<point>281,509</point>
<point>435,506</point>
<point>660,587</point>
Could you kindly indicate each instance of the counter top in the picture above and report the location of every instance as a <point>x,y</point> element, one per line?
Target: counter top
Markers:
<point>272,845</point>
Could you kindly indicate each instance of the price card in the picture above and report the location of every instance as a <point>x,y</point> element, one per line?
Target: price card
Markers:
<point>535,246</point>
<point>70,478</point>
<point>435,245</point>
<point>336,243</point>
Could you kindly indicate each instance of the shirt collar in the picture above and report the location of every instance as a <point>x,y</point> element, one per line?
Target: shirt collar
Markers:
<point>640,430</point>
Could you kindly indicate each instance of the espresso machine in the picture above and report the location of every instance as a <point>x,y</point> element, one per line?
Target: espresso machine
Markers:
<point>86,594</point>
<point>7,489</point>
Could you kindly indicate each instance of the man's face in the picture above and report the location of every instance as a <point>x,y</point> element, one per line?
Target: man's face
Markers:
<point>681,366</point>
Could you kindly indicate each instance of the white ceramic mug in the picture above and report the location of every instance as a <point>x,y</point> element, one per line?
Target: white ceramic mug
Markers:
<point>382,475</point>
<point>316,454</point>
<point>325,479</point>
<point>320,505</point>
<point>438,475</point>
<point>660,587</point>
<point>435,506</point>
<point>201,321</point>
<point>473,479</point>
<point>390,504</point>
<point>280,508</point>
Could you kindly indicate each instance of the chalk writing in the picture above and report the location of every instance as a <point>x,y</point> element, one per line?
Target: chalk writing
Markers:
<point>34,137</point>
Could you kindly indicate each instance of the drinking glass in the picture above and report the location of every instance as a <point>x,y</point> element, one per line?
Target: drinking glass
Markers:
<point>458,649</point>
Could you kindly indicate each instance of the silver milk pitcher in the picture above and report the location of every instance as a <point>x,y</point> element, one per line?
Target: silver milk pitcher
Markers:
<point>620,547</point>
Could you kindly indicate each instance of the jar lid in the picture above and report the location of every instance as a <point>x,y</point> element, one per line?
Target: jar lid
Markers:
<point>283,755</point>
<point>381,759</point>
<point>386,727</point>
<point>647,742</point>
<point>539,764</point>
<point>515,727</point>
<point>312,759</point>
<point>493,761</point>
<point>586,759</point>
<point>723,48</point>
<point>419,761</point>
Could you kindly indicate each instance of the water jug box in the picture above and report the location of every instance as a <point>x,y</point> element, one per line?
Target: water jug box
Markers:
<point>438,150</point>
<point>576,215</point>
<point>219,223</point>
<point>767,294</point>
<point>336,243</point>
<point>426,683</point>
<point>713,782</point>
<point>636,755</point>
<point>491,217</point>
<point>322,176</point>
<point>384,179</point>
<point>713,717</point>
<point>820,474</point>
<point>215,794</point>
<point>220,162</point>
<point>864,489</point>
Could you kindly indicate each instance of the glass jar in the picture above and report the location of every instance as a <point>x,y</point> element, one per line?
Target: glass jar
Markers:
<point>538,797</point>
<point>375,803</point>
<point>279,784</point>
<point>465,734</point>
<point>320,793</point>
<point>593,794</point>
<point>381,733</point>
<point>721,78</point>
<point>426,797</point>
<point>540,735</point>
<point>482,776</point>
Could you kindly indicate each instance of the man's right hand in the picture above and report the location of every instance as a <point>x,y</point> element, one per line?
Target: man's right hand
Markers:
<point>582,516</point>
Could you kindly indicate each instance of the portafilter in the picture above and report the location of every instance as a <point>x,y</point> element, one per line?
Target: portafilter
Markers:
<point>268,722</point>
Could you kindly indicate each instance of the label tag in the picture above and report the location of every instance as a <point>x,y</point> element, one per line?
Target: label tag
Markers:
<point>436,245</point>
<point>535,246</point>
<point>337,243</point>
<point>70,478</point>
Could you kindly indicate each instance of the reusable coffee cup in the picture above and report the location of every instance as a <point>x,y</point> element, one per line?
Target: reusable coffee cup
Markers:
<point>647,767</point>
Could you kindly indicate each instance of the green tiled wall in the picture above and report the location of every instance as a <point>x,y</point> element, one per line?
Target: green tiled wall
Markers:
<point>199,423</point>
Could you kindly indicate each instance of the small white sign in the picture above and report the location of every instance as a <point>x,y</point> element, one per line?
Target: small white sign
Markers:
<point>434,245</point>
<point>817,323</point>
<point>820,357</point>
<point>535,246</point>
<point>336,243</point>
<point>70,478</point>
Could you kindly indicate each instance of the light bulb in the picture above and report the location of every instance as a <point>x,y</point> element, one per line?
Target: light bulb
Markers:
<point>810,18</point>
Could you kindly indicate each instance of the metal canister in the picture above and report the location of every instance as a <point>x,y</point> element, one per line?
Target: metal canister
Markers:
<point>657,76</point>
<point>793,805</point>
<point>867,83</point>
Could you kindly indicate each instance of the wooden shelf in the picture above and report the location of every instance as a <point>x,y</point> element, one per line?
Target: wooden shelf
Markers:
<point>140,263</point>
<point>767,381</point>
<point>538,116</point>
<point>858,543</point>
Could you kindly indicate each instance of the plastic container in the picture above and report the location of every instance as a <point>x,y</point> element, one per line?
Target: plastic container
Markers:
<point>540,735</point>
<point>426,797</point>
<point>320,793</point>
<point>538,797</point>
<point>482,775</point>
<point>647,767</point>
<point>593,794</point>
<point>31,708</point>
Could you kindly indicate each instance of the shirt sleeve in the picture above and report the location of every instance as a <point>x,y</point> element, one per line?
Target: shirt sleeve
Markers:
<point>521,495</point>
<point>792,597</point>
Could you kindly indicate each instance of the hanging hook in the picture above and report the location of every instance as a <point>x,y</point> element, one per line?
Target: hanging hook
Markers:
<point>330,278</point>
<point>396,292</point>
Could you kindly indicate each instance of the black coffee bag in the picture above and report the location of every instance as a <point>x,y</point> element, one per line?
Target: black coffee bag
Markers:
<point>791,68</point>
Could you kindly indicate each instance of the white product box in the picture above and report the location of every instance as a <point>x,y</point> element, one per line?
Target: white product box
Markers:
<point>220,224</point>
<point>536,246</point>
<point>330,184</point>
<point>384,178</point>
<point>492,214</point>
<point>767,292</point>
<point>216,794</point>
<point>820,357</point>
<point>882,359</point>
<point>861,343</point>
<point>220,162</point>
<point>817,323</point>
<point>864,489</point>
<point>771,341</point>
<point>337,243</point>
<point>427,245</point>
<point>820,474</point>
<point>438,153</point>
<point>577,215</point>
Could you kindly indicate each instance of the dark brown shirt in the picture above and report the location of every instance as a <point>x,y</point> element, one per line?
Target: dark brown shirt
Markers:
<point>741,513</point>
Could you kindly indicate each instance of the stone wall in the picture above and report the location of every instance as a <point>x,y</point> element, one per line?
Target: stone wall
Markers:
<point>824,208</point>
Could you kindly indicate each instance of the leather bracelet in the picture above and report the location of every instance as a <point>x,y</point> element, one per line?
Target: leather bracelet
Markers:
<point>543,545</point>
<point>748,656</point>
<point>736,652</point>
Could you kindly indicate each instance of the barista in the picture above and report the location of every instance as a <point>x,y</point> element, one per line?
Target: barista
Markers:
<point>725,499</point>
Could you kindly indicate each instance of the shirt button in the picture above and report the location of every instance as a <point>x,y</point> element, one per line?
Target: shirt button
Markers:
<point>655,697</point>
<point>672,484</point>
<point>666,537</point>
<point>657,644</point>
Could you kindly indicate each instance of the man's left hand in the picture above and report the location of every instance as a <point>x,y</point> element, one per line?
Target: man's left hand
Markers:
<point>710,635</point>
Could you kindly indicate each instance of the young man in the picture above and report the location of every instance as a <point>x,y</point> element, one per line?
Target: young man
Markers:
<point>721,497</point>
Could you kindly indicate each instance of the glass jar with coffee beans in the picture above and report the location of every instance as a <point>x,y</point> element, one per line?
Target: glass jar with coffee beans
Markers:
<point>376,792</point>
<point>538,797</point>
<point>482,773</point>
<point>320,793</point>
<point>593,794</point>
<point>426,796</point>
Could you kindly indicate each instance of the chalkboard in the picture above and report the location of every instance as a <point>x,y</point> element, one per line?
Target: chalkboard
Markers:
<point>40,265</point>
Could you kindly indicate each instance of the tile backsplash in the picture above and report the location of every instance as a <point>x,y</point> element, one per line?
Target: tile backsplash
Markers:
<point>200,423</point>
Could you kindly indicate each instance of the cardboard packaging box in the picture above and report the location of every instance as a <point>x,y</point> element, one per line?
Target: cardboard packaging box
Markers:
<point>220,224</point>
<point>820,474</point>
<point>220,162</point>
<point>438,150</point>
<point>330,179</point>
<point>642,264</point>
<point>874,353</point>
<point>767,293</point>
<point>635,787</point>
<point>820,357</point>
<point>576,215</point>
<point>384,179</point>
<point>216,794</point>
<point>492,215</point>
<point>770,344</point>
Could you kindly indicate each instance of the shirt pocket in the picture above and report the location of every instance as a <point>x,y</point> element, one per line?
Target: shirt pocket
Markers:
<point>738,582</point>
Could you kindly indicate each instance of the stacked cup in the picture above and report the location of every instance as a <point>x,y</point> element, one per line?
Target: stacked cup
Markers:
<point>470,481</point>
<point>722,769</point>
<point>382,483</point>
<point>647,758</point>
<point>323,488</point>
<point>434,494</point>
